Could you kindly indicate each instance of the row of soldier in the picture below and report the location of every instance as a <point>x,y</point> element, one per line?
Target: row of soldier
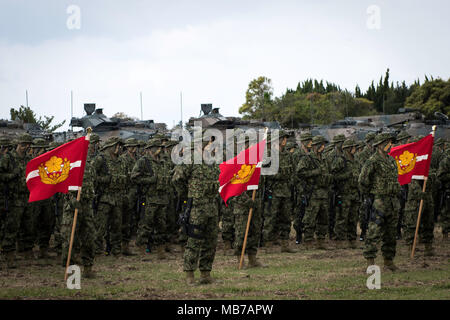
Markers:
<point>135,190</point>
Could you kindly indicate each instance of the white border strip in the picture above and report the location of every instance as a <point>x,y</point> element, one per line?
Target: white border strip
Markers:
<point>418,177</point>
<point>422,157</point>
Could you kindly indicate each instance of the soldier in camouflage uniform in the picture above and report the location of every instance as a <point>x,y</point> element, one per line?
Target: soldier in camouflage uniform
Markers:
<point>402,138</point>
<point>305,147</point>
<point>84,238</point>
<point>438,156</point>
<point>277,223</point>
<point>203,185</point>
<point>426,228</point>
<point>110,176</point>
<point>5,179</point>
<point>378,181</point>
<point>129,208</point>
<point>151,175</point>
<point>337,164</point>
<point>42,211</point>
<point>18,224</point>
<point>241,206</point>
<point>443,174</point>
<point>347,213</point>
<point>313,171</point>
<point>57,206</point>
<point>362,158</point>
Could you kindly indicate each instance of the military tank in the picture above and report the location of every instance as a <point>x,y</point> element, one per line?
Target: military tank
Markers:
<point>108,127</point>
<point>13,128</point>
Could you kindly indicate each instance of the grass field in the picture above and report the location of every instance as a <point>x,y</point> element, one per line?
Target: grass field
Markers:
<point>307,274</point>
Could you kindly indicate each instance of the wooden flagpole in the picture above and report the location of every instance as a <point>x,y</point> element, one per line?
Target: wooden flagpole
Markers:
<point>74,224</point>
<point>420,209</point>
<point>241,262</point>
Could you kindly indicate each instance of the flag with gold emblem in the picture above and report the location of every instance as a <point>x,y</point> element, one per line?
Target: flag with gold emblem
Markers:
<point>58,170</point>
<point>413,159</point>
<point>242,172</point>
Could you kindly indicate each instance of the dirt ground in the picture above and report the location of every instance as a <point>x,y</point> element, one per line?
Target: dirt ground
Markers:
<point>307,274</point>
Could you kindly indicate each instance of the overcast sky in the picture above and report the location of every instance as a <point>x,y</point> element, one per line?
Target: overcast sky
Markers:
<point>210,50</point>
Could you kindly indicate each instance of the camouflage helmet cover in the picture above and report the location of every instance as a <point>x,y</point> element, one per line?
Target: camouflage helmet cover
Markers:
<point>369,137</point>
<point>318,140</point>
<point>39,143</point>
<point>338,138</point>
<point>349,143</point>
<point>382,137</point>
<point>112,141</point>
<point>25,138</point>
<point>306,136</point>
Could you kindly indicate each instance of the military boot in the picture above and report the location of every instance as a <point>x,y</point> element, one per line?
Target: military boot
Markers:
<point>320,244</point>
<point>43,253</point>
<point>429,251</point>
<point>160,252</point>
<point>285,247</point>
<point>389,265</point>
<point>205,277</point>
<point>253,262</point>
<point>126,250</point>
<point>190,279</point>
<point>10,260</point>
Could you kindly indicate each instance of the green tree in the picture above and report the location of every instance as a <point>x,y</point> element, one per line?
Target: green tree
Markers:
<point>433,95</point>
<point>27,115</point>
<point>258,99</point>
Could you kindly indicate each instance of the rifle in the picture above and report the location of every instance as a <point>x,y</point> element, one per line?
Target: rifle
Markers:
<point>187,227</point>
<point>368,203</point>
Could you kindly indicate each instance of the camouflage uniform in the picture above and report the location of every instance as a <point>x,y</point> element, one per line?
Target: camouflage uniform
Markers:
<point>57,207</point>
<point>130,200</point>
<point>42,211</point>
<point>6,177</point>
<point>443,174</point>
<point>438,156</point>
<point>278,213</point>
<point>172,214</point>
<point>426,227</point>
<point>110,176</point>
<point>346,171</point>
<point>151,175</point>
<point>313,170</point>
<point>361,159</point>
<point>84,238</point>
<point>202,181</point>
<point>378,178</point>
<point>18,224</point>
<point>241,206</point>
<point>305,140</point>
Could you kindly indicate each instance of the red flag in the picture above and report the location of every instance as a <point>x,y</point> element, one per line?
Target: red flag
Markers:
<point>413,159</point>
<point>58,170</point>
<point>242,172</point>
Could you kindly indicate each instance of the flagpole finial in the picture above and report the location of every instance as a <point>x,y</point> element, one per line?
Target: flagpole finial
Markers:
<point>89,131</point>
<point>434,130</point>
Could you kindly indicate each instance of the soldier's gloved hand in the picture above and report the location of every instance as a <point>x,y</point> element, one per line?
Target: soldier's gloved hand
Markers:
<point>75,204</point>
<point>249,203</point>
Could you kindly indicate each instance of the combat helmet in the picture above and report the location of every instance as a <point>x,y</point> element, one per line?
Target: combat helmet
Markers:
<point>348,143</point>
<point>382,137</point>
<point>154,142</point>
<point>112,141</point>
<point>306,136</point>
<point>403,136</point>
<point>369,137</point>
<point>39,143</point>
<point>338,138</point>
<point>25,138</point>
<point>318,140</point>
<point>94,138</point>
<point>131,142</point>
<point>5,141</point>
